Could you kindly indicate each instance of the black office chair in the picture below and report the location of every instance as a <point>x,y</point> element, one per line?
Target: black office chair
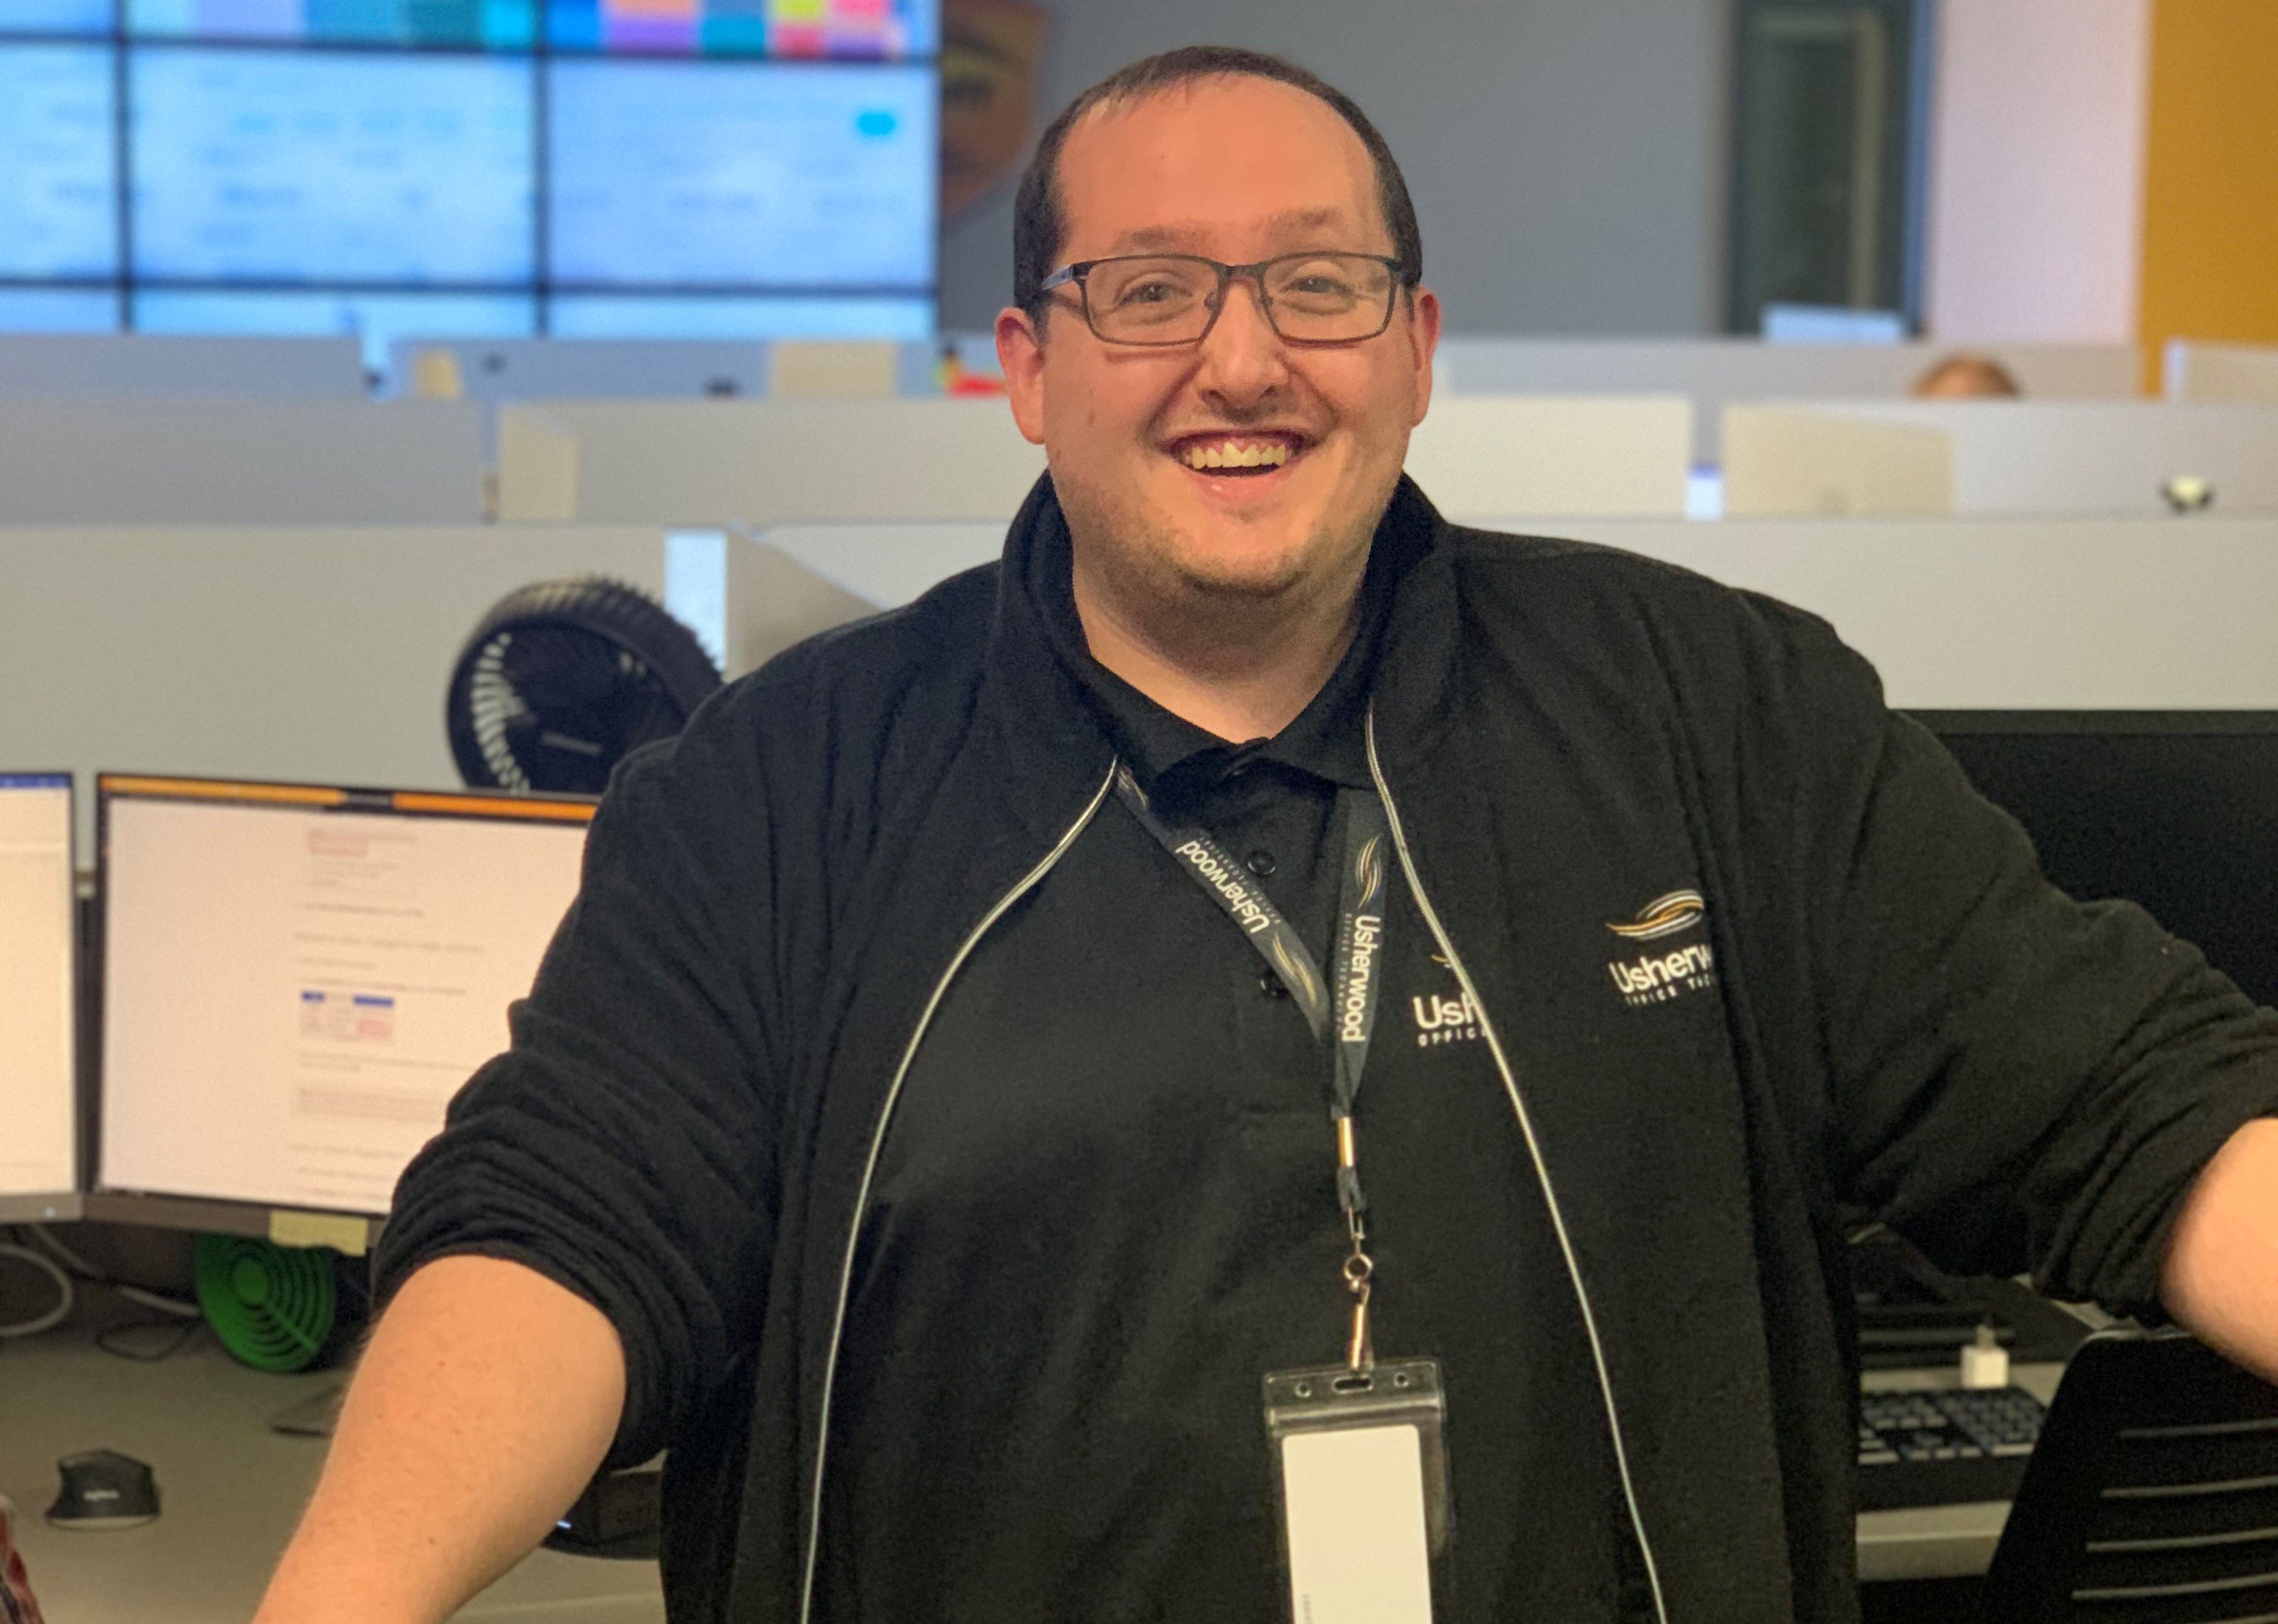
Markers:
<point>2151,1498</point>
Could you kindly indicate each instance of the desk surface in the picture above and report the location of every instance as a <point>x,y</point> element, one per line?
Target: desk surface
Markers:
<point>230,1488</point>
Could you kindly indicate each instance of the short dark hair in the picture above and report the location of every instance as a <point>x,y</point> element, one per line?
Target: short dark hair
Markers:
<point>1040,225</point>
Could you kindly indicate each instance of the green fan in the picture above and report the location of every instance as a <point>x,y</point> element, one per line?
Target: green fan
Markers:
<point>272,1305</point>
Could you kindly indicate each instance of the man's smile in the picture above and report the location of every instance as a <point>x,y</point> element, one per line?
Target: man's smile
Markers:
<point>1221,453</point>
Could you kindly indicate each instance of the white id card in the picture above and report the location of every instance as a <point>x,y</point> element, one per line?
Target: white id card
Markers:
<point>1363,1490</point>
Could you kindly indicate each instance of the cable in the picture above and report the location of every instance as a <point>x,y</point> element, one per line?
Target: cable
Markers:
<point>182,1331</point>
<point>66,1295</point>
<point>156,1301</point>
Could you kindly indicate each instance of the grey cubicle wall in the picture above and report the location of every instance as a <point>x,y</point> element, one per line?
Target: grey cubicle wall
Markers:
<point>2004,457</point>
<point>2191,370</point>
<point>1713,372</point>
<point>2014,614</point>
<point>701,462</point>
<point>1957,615</point>
<point>495,371</point>
<point>278,653</point>
<point>761,463</point>
<point>313,461</point>
<point>49,366</point>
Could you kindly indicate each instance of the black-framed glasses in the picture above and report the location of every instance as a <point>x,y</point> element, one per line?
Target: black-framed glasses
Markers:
<point>1165,299</point>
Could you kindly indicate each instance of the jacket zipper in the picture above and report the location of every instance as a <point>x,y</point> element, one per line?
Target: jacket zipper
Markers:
<point>1534,1155</point>
<point>1026,883</point>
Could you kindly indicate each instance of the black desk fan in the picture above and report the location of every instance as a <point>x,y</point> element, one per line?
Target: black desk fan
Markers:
<point>562,678</point>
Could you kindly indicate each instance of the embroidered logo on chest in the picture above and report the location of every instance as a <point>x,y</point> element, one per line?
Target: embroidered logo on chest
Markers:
<point>1443,1018</point>
<point>1658,975</point>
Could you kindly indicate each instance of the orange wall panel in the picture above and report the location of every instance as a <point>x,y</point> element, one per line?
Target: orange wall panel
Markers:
<point>2210,268</point>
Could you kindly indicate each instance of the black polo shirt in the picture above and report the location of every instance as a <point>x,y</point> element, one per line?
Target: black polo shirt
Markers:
<point>1106,1208</point>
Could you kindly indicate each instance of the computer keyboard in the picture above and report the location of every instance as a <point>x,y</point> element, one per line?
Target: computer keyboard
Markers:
<point>1943,1446</point>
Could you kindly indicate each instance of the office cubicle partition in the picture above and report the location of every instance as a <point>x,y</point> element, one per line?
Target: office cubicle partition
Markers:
<point>2005,457</point>
<point>46,366</point>
<point>2197,371</point>
<point>292,653</point>
<point>239,461</point>
<point>1713,372</point>
<point>2014,614</point>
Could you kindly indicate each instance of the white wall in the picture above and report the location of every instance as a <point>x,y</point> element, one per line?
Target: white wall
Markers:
<point>2037,169</point>
<point>1567,156</point>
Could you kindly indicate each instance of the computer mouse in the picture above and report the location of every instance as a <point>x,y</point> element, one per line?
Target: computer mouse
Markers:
<point>103,1489</point>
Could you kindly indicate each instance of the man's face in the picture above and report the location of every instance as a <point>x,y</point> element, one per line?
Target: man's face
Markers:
<point>1237,169</point>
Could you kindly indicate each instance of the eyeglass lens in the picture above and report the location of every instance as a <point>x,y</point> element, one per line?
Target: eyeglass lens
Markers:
<point>1318,298</point>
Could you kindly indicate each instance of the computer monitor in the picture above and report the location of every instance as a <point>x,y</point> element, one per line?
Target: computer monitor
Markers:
<point>297,977</point>
<point>2176,810</point>
<point>38,1096</point>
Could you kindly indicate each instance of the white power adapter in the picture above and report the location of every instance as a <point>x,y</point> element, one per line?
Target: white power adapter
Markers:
<point>1985,1363</point>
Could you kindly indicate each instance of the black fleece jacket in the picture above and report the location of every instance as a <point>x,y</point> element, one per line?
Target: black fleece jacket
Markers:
<point>1903,1021</point>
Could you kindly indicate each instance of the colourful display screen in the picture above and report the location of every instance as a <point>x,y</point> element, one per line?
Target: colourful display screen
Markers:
<point>859,30</point>
<point>502,25</point>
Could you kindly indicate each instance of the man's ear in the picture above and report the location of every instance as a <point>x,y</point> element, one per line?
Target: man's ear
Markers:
<point>1424,334</point>
<point>1021,353</point>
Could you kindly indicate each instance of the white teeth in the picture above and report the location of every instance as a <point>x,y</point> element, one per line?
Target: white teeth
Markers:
<point>1227,453</point>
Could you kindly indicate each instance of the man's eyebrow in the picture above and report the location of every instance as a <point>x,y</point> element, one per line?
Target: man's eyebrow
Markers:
<point>1183,236</point>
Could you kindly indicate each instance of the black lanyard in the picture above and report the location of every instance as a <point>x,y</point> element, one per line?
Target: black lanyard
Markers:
<point>1341,1011</point>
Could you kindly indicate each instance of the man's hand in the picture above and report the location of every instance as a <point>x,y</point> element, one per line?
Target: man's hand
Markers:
<point>485,1402</point>
<point>2220,1278</point>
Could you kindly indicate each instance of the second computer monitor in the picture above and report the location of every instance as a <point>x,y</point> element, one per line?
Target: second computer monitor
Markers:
<point>39,1154</point>
<point>297,979</point>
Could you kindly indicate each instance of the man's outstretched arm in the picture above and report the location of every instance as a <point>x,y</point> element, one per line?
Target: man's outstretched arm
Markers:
<point>481,1408</point>
<point>2220,1278</point>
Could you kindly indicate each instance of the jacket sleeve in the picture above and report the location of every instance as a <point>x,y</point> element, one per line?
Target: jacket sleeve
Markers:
<point>621,1145</point>
<point>2017,1078</point>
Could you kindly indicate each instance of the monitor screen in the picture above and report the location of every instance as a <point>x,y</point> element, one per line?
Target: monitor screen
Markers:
<point>2176,811</point>
<point>39,1151</point>
<point>296,979</point>
<point>861,30</point>
<point>289,166</point>
<point>55,16</point>
<point>58,200</point>
<point>496,23</point>
<point>688,174</point>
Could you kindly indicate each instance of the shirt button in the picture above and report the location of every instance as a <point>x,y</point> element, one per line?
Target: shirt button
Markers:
<point>1271,985</point>
<point>1261,864</point>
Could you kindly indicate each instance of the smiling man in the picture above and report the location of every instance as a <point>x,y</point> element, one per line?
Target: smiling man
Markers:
<point>1017,1063</point>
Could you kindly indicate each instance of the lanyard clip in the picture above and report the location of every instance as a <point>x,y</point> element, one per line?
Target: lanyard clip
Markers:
<point>1360,1347</point>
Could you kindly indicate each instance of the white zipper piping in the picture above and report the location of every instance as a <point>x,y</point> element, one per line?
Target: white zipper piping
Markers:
<point>1027,882</point>
<point>1542,1168</point>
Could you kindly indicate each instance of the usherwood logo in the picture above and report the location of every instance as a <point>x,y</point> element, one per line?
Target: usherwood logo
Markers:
<point>1663,916</point>
<point>1657,978</point>
<point>1442,1019</point>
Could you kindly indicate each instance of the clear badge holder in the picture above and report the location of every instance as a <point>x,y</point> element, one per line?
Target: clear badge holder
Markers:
<point>1360,1462</point>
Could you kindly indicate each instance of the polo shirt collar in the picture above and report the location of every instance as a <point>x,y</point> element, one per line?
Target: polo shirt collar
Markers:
<point>1167,752</point>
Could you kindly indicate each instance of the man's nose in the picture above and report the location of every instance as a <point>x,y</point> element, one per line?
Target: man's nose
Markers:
<point>1242,354</point>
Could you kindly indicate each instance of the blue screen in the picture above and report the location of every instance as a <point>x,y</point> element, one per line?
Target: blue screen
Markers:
<point>58,309</point>
<point>55,16</point>
<point>59,206</point>
<point>708,174</point>
<point>377,319</point>
<point>305,166</point>
<point>654,316</point>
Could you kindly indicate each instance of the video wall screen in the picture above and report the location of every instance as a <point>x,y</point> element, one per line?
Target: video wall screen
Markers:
<point>759,168</point>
